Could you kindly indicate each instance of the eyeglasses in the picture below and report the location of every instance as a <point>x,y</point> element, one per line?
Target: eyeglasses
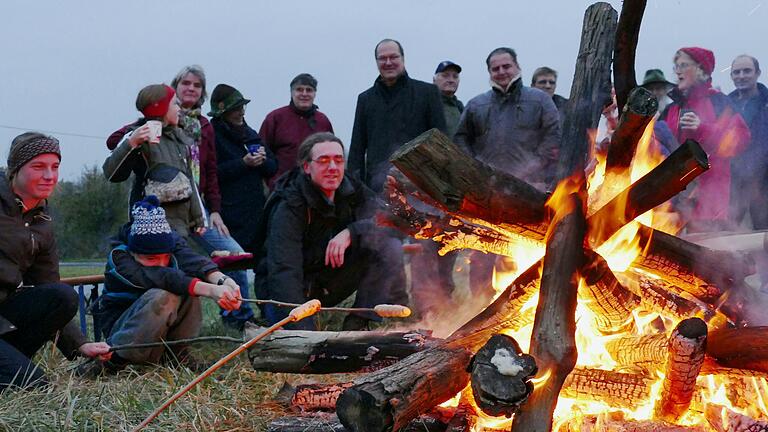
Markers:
<point>326,160</point>
<point>550,82</point>
<point>679,67</point>
<point>393,58</point>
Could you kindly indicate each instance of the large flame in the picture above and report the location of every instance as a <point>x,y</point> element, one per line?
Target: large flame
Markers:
<point>619,251</point>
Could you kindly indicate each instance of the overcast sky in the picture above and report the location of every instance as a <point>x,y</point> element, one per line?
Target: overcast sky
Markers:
<point>73,68</point>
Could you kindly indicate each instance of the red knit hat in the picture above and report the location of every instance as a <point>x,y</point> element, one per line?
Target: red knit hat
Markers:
<point>160,107</point>
<point>704,57</point>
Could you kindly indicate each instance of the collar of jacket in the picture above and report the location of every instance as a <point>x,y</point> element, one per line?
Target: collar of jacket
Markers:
<point>401,82</point>
<point>699,91</point>
<point>12,204</point>
<point>303,113</point>
<point>512,90</point>
<point>230,133</point>
<point>762,94</point>
<point>451,100</point>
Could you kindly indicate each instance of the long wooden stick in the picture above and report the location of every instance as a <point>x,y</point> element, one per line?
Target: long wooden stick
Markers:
<point>307,309</point>
<point>382,310</point>
<point>176,342</point>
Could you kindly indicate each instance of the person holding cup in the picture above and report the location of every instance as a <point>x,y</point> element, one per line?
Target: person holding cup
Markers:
<point>244,164</point>
<point>704,114</point>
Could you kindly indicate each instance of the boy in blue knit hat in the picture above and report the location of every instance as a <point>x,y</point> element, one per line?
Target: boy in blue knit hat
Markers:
<point>153,282</point>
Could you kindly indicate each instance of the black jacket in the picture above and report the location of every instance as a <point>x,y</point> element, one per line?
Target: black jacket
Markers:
<point>241,186</point>
<point>385,119</point>
<point>300,223</point>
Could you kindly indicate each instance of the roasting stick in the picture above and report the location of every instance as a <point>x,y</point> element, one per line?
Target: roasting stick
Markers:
<point>382,310</point>
<point>302,311</point>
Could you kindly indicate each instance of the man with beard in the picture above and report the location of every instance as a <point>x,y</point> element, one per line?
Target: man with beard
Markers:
<point>321,241</point>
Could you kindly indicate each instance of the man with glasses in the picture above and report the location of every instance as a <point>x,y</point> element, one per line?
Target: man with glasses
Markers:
<point>321,241</point>
<point>395,110</point>
<point>545,79</point>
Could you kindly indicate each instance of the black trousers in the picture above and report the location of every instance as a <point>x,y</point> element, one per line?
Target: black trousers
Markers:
<point>37,312</point>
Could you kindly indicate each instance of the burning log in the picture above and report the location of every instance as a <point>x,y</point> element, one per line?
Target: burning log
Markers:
<point>646,352</point>
<point>500,315</point>
<point>742,348</point>
<point>465,186</point>
<point>635,117</point>
<point>627,34</point>
<point>725,420</point>
<point>316,397</point>
<point>662,183</point>
<point>553,341</point>
<point>463,419</point>
<point>389,398</point>
<point>325,423</point>
<point>501,376</point>
<point>322,352</point>
<point>616,389</point>
<point>686,355</point>
<point>615,422</point>
<point>664,298</point>
<point>610,301</point>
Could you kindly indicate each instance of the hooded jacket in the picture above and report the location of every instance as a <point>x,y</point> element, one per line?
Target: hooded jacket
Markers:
<point>385,119</point>
<point>299,223</point>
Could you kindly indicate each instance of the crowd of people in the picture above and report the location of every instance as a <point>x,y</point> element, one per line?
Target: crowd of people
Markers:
<point>294,197</point>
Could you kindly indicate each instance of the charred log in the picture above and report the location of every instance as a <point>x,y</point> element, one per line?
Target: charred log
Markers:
<point>724,420</point>
<point>322,352</point>
<point>391,397</point>
<point>553,341</point>
<point>627,34</point>
<point>501,376</point>
<point>616,389</point>
<point>635,116</point>
<point>663,182</point>
<point>686,355</point>
<point>466,186</point>
<point>609,300</point>
<point>502,314</point>
<point>742,348</point>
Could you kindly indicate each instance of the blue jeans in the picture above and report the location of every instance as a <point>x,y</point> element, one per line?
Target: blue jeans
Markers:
<point>213,240</point>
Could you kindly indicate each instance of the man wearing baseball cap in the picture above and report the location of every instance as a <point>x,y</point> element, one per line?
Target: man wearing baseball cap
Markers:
<point>34,305</point>
<point>447,81</point>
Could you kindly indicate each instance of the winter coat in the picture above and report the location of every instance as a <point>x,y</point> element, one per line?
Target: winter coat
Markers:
<point>28,255</point>
<point>209,180</point>
<point>125,279</point>
<point>722,134</point>
<point>517,131</point>
<point>285,128</point>
<point>242,186</point>
<point>753,162</point>
<point>385,119</point>
<point>300,221</point>
<point>452,108</point>
<point>172,151</point>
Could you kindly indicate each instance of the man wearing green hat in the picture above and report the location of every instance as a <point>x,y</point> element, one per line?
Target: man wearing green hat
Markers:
<point>655,82</point>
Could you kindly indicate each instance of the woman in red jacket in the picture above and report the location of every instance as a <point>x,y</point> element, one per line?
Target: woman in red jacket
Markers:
<point>704,114</point>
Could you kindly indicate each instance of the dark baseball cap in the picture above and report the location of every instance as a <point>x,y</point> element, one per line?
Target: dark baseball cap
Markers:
<point>445,65</point>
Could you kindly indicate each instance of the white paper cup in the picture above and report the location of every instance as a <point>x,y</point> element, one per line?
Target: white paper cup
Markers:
<point>155,130</point>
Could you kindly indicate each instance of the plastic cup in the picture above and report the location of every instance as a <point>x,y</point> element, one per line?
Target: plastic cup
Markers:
<point>155,130</point>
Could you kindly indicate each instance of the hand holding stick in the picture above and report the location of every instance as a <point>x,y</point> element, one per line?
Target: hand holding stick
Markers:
<point>300,312</point>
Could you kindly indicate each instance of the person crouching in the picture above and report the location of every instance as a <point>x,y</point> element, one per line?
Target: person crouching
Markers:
<point>153,282</point>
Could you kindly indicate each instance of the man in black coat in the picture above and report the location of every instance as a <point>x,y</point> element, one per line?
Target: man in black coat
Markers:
<point>321,241</point>
<point>395,110</point>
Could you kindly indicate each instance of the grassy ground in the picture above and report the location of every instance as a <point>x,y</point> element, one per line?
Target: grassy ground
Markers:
<point>236,398</point>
